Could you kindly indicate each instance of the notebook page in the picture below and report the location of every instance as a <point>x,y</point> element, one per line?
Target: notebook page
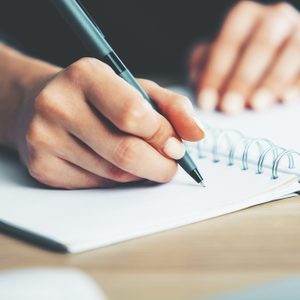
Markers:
<point>280,124</point>
<point>87,219</point>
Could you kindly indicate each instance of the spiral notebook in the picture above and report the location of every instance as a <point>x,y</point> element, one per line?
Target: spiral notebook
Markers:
<point>240,171</point>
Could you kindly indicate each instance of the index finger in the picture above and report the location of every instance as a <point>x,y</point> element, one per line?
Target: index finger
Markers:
<point>177,109</point>
<point>125,107</point>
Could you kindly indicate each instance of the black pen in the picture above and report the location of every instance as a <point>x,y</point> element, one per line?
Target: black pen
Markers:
<point>92,37</point>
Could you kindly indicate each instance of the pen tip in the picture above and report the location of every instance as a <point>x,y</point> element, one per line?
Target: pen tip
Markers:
<point>195,174</point>
<point>202,184</point>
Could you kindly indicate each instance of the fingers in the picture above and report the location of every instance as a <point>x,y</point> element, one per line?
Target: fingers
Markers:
<point>225,52</point>
<point>261,50</point>
<point>276,83</point>
<point>254,59</point>
<point>47,169</point>
<point>125,107</point>
<point>177,109</point>
<point>50,146</point>
<point>128,153</point>
<point>118,135</point>
<point>79,154</point>
<point>118,101</point>
<point>197,61</point>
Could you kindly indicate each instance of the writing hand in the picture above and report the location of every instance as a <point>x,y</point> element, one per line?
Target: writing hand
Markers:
<point>87,127</point>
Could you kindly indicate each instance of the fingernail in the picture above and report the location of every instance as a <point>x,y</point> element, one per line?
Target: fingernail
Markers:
<point>262,99</point>
<point>199,124</point>
<point>208,99</point>
<point>174,148</point>
<point>233,103</point>
<point>291,95</point>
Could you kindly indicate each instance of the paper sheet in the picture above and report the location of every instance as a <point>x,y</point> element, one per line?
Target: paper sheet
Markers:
<point>87,219</point>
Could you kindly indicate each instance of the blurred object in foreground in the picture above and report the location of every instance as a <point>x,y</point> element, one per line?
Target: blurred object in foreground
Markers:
<point>48,284</point>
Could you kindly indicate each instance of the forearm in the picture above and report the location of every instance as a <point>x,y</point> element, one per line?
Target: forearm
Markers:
<point>19,76</point>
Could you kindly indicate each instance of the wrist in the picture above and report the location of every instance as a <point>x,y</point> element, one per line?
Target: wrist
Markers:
<point>20,77</point>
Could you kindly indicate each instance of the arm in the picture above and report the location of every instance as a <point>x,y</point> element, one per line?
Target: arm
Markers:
<point>19,77</point>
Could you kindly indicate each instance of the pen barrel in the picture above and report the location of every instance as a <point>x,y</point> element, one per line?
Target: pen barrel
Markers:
<point>187,164</point>
<point>127,76</point>
<point>92,37</point>
<point>84,27</point>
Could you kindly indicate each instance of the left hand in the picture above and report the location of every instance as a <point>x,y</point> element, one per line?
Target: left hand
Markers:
<point>254,61</point>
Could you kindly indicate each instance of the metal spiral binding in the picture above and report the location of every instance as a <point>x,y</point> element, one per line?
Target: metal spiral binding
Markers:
<point>278,159</point>
<point>228,135</point>
<point>247,143</point>
<point>274,149</point>
<point>233,140</point>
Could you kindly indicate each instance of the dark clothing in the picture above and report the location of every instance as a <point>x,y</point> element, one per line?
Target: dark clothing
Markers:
<point>150,36</point>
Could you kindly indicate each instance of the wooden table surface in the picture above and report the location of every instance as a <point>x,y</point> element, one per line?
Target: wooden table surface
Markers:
<point>222,254</point>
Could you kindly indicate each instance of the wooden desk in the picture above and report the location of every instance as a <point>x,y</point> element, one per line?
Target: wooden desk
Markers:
<point>237,250</point>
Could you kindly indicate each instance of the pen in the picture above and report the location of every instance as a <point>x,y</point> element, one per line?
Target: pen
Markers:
<point>92,37</point>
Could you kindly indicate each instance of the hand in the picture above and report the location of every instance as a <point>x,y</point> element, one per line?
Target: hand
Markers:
<point>254,61</point>
<point>86,127</point>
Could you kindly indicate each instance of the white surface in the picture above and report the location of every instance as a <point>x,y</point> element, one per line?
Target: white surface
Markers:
<point>86,219</point>
<point>47,284</point>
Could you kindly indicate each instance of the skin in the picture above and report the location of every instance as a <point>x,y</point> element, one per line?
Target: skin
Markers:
<point>84,127</point>
<point>253,62</point>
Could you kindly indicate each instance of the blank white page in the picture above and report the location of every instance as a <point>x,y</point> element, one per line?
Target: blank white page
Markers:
<point>86,219</point>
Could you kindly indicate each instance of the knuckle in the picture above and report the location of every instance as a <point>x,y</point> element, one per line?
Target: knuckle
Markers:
<point>244,5</point>
<point>52,107</point>
<point>126,154</point>
<point>243,9</point>
<point>84,66</point>
<point>237,22</point>
<point>36,169</point>
<point>131,116</point>
<point>284,8</point>
<point>271,33</point>
<point>43,101</point>
<point>117,174</point>
<point>82,73</point>
<point>75,71</point>
<point>35,137</point>
<point>40,169</point>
